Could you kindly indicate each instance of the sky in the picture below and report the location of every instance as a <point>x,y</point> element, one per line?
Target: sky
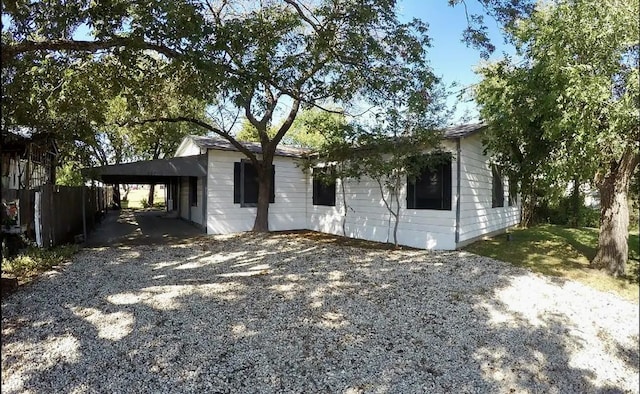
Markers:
<point>450,58</point>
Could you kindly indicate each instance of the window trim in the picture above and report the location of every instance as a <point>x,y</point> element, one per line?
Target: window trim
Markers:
<point>316,184</point>
<point>497,196</point>
<point>446,185</point>
<point>238,190</point>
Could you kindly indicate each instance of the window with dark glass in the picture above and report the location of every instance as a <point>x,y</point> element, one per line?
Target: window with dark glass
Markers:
<point>246,184</point>
<point>324,188</point>
<point>497,187</point>
<point>432,189</point>
<point>193,191</point>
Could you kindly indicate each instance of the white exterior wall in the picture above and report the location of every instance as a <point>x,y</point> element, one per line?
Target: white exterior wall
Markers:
<point>477,217</point>
<point>188,148</point>
<point>186,210</point>
<point>183,199</point>
<point>368,218</point>
<point>288,212</point>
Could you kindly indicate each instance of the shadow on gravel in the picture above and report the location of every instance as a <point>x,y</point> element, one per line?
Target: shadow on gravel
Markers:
<point>286,313</point>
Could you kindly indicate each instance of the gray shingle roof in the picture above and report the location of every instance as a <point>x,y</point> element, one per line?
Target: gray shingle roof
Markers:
<point>255,147</point>
<point>463,130</point>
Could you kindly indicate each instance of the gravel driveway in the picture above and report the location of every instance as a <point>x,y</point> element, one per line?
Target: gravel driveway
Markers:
<point>289,313</point>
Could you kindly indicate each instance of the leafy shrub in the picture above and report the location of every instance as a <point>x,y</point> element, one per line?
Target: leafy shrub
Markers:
<point>561,213</point>
<point>35,260</point>
<point>144,203</point>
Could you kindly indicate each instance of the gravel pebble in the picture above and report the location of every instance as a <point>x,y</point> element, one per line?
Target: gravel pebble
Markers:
<point>254,313</point>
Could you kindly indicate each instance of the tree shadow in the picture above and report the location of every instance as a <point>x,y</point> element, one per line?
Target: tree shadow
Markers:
<point>286,313</point>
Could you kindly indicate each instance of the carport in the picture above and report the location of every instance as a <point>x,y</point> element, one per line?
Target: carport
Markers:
<point>180,175</point>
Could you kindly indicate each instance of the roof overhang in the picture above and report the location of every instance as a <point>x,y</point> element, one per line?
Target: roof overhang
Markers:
<point>150,171</point>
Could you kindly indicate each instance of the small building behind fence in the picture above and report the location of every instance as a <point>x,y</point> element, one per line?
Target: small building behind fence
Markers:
<point>32,205</point>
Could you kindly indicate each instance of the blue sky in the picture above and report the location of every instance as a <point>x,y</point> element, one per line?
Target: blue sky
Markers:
<point>450,58</point>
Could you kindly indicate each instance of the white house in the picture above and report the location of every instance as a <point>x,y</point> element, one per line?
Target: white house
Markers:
<point>459,203</point>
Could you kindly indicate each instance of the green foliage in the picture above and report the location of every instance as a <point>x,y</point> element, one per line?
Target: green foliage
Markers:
<point>250,60</point>
<point>560,212</point>
<point>577,90</point>
<point>36,260</point>
<point>69,174</point>
<point>145,203</point>
<point>314,128</point>
<point>248,132</point>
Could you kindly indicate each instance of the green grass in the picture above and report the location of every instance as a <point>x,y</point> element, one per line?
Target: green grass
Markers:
<point>34,261</point>
<point>136,197</point>
<point>562,252</point>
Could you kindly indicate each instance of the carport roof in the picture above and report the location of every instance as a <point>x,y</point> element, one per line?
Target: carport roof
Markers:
<point>150,171</point>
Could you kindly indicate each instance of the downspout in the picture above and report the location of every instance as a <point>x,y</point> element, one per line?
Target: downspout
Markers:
<point>458,160</point>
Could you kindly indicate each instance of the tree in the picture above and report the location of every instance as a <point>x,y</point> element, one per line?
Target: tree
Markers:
<point>241,58</point>
<point>588,53</point>
<point>389,148</point>
<point>286,54</point>
<point>510,98</point>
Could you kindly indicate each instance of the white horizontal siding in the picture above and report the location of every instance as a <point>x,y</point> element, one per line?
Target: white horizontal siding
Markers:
<point>477,217</point>
<point>288,212</point>
<point>368,218</point>
<point>188,148</point>
<point>183,202</point>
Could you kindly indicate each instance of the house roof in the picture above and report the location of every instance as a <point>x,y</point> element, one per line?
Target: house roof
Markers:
<point>464,130</point>
<point>150,171</point>
<point>255,147</point>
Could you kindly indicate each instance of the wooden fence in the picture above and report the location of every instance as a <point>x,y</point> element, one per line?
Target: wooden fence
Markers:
<point>53,215</point>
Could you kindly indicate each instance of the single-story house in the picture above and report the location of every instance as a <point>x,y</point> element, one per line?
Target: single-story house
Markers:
<point>458,203</point>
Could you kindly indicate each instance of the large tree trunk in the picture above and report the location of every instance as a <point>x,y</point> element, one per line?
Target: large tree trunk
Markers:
<point>261,224</point>
<point>152,190</point>
<point>613,248</point>
<point>528,206</point>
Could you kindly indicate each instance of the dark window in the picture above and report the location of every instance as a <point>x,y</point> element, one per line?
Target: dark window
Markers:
<point>497,187</point>
<point>513,192</point>
<point>432,189</point>
<point>193,190</point>
<point>324,189</point>
<point>246,183</point>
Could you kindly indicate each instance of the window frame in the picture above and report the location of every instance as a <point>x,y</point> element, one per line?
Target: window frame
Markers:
<point>497,187</point>
<point>318,184</point>
<point>445,183</point>
<point>239,184</point>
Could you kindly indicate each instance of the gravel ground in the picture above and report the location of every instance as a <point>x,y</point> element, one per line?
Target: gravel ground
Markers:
<point>286,313</point>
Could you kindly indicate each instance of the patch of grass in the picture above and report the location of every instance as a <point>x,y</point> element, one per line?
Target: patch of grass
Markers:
<point>136,197</point>
<point>34,261</point>
<point>562,252</point>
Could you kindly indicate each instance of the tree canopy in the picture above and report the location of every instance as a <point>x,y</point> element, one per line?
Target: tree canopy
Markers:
<point>242,59</point>
<point>572,105</point>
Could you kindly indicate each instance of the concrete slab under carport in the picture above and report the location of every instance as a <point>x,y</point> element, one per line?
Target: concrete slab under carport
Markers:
<point>142,227</point>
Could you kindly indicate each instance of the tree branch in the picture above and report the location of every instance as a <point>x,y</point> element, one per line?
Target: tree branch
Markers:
<point>288,122</point>
<point>10,51</point>
<point>204,125</point>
